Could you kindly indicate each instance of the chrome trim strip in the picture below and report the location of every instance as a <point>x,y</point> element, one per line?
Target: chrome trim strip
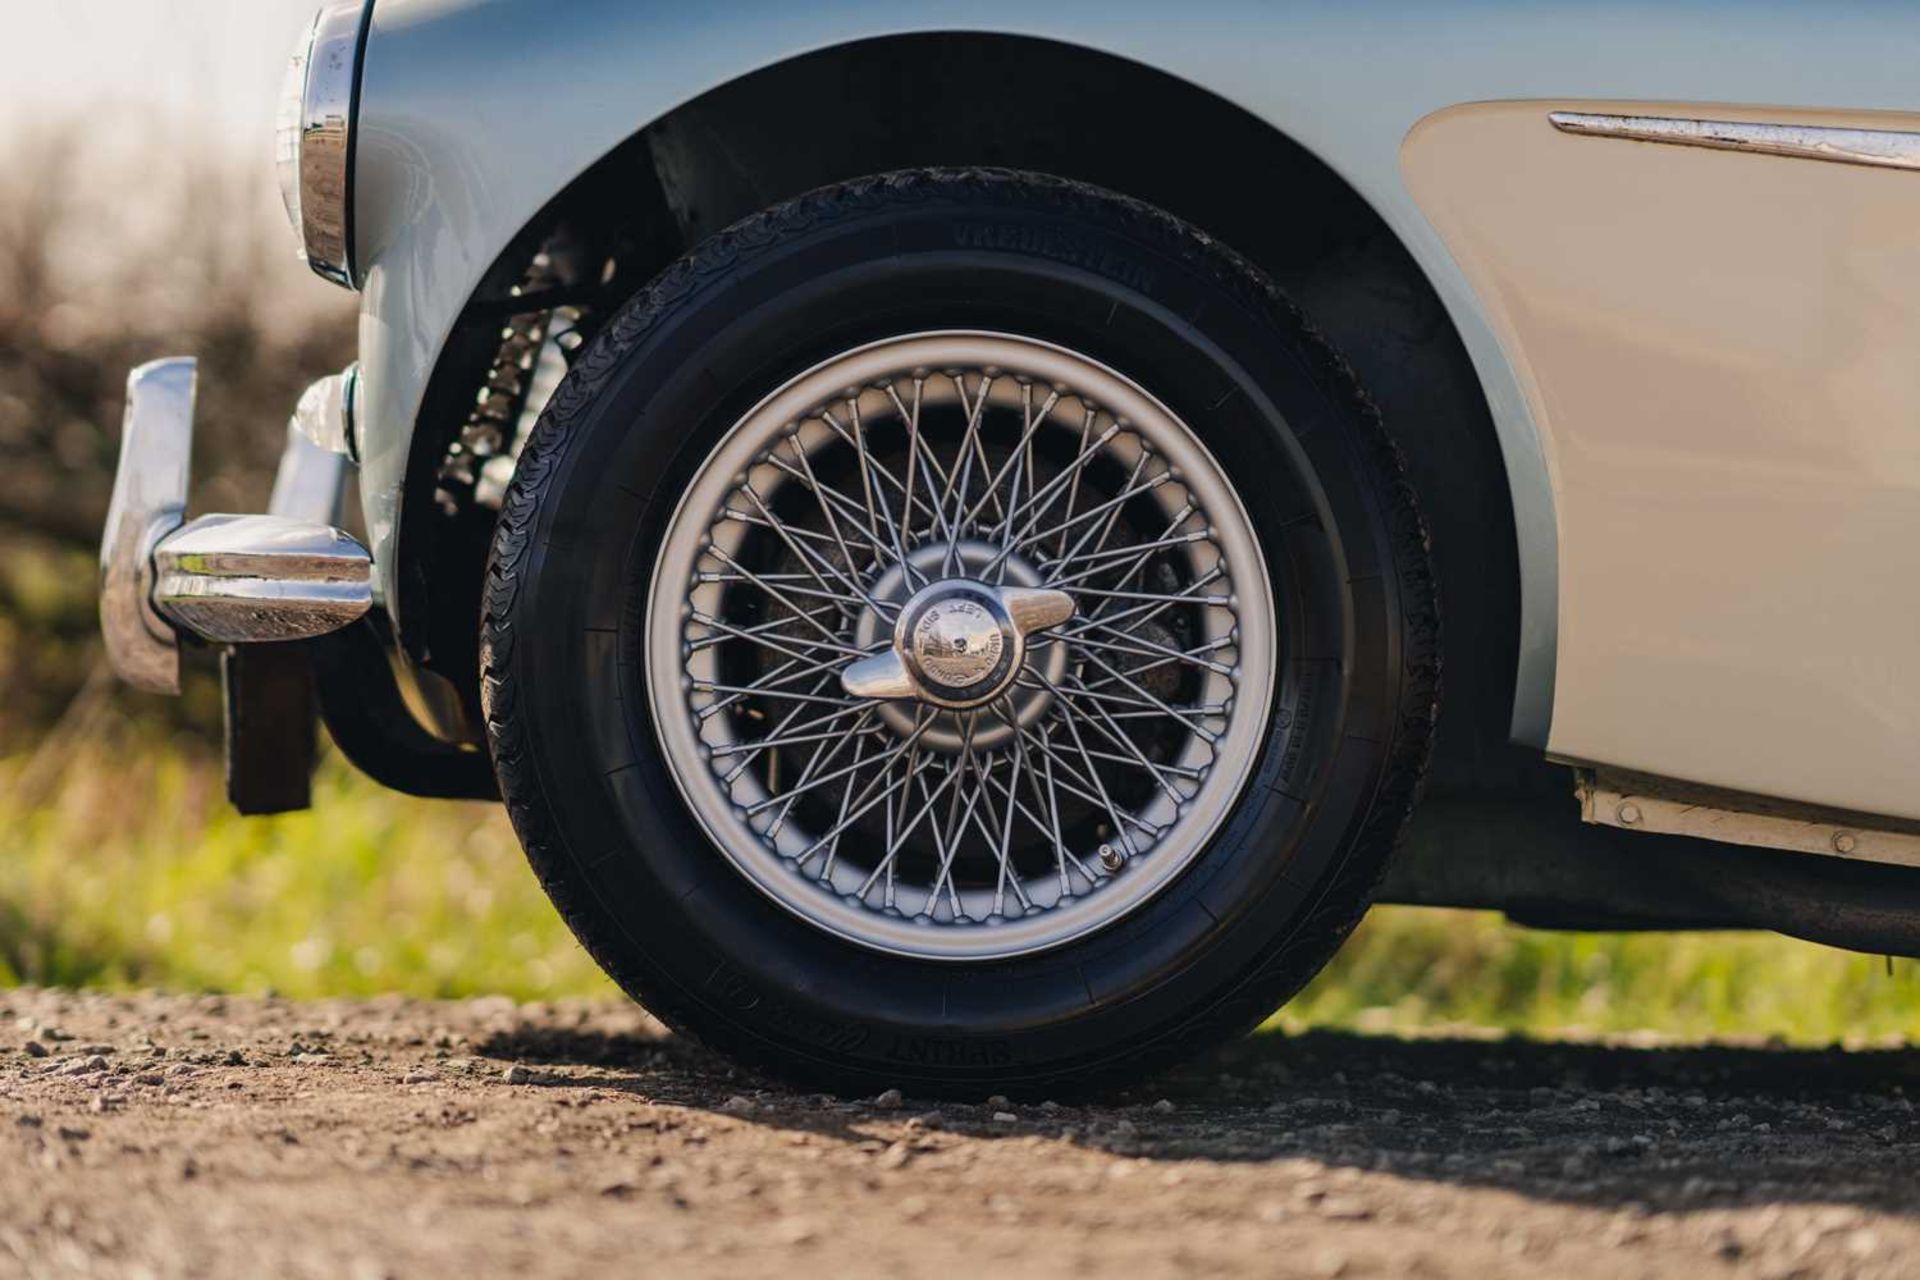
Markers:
<point>1639,802</point>
<point>1879,148</point>
<point>149,502</point>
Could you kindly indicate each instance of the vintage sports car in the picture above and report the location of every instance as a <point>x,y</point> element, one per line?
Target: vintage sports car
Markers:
<point>947,525</point>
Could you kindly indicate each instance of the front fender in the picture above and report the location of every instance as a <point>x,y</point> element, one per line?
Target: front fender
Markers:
<point>474,114</point>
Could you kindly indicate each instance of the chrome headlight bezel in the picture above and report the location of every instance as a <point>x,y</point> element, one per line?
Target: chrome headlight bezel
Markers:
<point>315,136</point>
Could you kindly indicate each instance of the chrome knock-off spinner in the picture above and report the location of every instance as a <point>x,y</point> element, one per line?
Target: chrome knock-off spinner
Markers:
<point>958,643</point>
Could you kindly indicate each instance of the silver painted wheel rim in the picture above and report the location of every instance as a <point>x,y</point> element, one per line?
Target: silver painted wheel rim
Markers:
<point>971,464</point>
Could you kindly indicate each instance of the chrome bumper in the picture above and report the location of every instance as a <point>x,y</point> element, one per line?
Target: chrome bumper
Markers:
<point>230,579</point>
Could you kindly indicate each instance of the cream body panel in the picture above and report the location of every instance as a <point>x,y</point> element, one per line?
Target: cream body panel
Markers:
<point>1721,353</point>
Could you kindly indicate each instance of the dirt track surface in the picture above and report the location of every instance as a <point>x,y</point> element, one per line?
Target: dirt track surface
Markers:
<point>165,1136</point>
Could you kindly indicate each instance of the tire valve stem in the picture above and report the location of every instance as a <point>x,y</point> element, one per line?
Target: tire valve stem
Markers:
<point>1110,858</point>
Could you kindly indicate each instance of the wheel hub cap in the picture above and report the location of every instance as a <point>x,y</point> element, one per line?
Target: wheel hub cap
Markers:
<point>958,644</point>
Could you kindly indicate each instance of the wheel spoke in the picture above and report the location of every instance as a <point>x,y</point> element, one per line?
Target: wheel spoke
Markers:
<point>1142,691</point>
<point>885,763</point>
<point>911,417</point>
<point>761,691</point>
<point>900,837</point>
<point>947,844</point>
<point>880,469</point>
<point>1143,647</point>
<point>1111,508</point>
<point>829,498</point>
<point>1030,423</point>
<point>1093,776</point>
<point>794,584</point>
<point>833,640</point>
<point>821,757</point>
<point>1002,842</point>
<point>1066,777</point>
<point>1141,706</point>
<point>1145,549</point>
<point>1042,500</point>
<point>759,635</point>
<point>895,532</point>
<point>808,556</point>
<point>785,733</point>
<point>1050,807</point>
<point>1189,594</point>
<point>846,794</point>
<point>957,479</point>
<point>1113,734</point>
<point>783,674</point>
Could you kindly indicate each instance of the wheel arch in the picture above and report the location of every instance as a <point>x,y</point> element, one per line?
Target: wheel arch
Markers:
<point>898,101</point>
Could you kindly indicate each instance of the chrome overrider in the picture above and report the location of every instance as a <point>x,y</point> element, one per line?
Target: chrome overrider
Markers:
<point>229,579</point>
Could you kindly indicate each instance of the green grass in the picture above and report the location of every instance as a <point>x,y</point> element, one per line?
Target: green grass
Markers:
<point>130,870</point>
<point>139,874</point>
<point>1409,968</point>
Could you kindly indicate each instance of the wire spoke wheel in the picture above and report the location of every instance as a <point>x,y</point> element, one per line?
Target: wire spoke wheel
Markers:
<point>958,647</point>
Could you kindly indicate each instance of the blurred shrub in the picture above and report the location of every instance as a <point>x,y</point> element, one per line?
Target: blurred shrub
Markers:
<point>115,250</point>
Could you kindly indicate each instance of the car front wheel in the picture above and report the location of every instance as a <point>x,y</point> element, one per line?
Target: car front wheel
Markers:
<point>959,630</point>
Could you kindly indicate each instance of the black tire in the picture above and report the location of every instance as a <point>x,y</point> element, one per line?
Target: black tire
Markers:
<point>1285,878</point>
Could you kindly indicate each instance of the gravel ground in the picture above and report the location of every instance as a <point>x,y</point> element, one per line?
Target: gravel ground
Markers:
<point>208,1136</point>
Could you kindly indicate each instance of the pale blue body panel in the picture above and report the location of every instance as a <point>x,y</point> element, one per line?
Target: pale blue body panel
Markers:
<point>474,113</point>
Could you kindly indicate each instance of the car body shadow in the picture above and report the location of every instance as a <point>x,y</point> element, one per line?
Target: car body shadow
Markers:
<point>1612,1125</point>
